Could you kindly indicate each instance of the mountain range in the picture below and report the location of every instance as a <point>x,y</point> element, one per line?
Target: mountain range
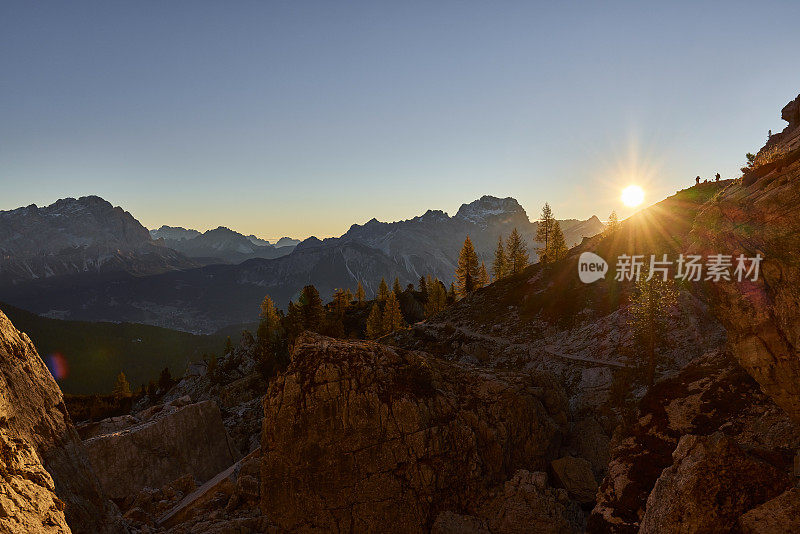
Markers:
<point>200,290</point>
<point>221,245</point>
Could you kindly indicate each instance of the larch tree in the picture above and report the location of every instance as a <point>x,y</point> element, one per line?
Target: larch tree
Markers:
<point>392,315</point>
<point>374,322</point>
<point>649,316</point>
<point>121,387</point>
<point>483,277</point>
<point>451,293</point>
<point>423,287</point>
<point>437,297</point>
<point>467,271</point>
<point>544,231</point>
<point>311,309</point>
<point>500,263</point>
<point>360,293</point>
<point>396,287</point>
<point>612,226</point>
<point>558,247</point>
<point>516,252</point>
<point>383,290</point>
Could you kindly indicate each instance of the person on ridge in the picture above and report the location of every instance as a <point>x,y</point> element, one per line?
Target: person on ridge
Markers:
<point>717,177</point>
<point>697,180</point>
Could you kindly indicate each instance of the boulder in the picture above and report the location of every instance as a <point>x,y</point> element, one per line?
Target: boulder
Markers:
<point>171,442</point>
<point>575,476</point>
<point>361,436</point>
<point>780,515</point>
<point>37,432</point>
<point>711,483</point>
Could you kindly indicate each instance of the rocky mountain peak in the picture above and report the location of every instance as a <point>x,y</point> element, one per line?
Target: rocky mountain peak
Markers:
<point>488,208</point>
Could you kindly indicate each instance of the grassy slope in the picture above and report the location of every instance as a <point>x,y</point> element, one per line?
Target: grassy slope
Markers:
<point>97,352</point>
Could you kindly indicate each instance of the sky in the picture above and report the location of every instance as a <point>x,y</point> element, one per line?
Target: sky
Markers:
<point>302,118</point>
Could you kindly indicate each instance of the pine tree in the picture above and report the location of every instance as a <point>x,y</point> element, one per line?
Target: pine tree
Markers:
<point>396,287</point>
<point>483,277</point>
<point>360,293</point>
<point>500,264</point>
<point>437,297</point>
<point>374,322</point>
<point>451,293</point>
<point>392,316</point>
<point>294,321</point>
<point>467,271</point>
<point>121,388</point>
<point>516,253</point>
<point>383,290</point>
<point>311,309</point>
<point>544,231</point>
<point>423,288</point>
<point>649,316</point>
<point>558,247</point>
<point>612,226</point>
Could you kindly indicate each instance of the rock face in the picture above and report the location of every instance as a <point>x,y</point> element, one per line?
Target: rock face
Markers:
<point>159,446</point>
<point>759,215</point>
<point>360,436</point>
<point>35,431</point>
<point>710,484</point>
<point>523,504</point>
<point>575,475</point>
<point>711,394</point>
<point>28,501</point>
<point>78,235</point>
<point>777,516</point>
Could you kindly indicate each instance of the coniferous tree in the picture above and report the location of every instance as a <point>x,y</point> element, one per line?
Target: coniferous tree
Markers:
<point>341,301</point>
<point>165,381</point>
<point>360,293</point>
<point>649,316</point>
<point>311,309</point>
<point>268,326</point>
<point>544,231</point>
<point>437,297</point>
<point>516,253</point>
<point>467,271</point>
<point>121,388</point>
<point>612,226</point>
<point>558,247</point>
<point>423,288</point>
<point>392,316</point>
<point>500,263</point>
<point>451,293</point>
<point>483,277</point>
<point>396,287</point>
<point>383,290</point>
<point>294,321</point>
<point>374,322</point>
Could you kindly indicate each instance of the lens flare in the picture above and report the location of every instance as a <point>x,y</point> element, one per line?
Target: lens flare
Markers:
<point>632,196</point>
<point>58,366</point>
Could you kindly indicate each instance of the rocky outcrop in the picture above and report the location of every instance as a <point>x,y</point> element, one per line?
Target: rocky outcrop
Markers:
<point>36,431</point>
<point>360,436</point>
<point>28,501</point>
<point>523,504</point>
<point>711,394</point>
<point>759,215</point>
<point>780,515</point>
<point>575,475</point>
<point>710,484</point>
<point>160,445</point>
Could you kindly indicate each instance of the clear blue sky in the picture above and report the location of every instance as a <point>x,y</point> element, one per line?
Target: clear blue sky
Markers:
<point>299,118</point>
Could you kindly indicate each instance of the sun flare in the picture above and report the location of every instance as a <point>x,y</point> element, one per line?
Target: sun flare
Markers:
<point>632,196</point>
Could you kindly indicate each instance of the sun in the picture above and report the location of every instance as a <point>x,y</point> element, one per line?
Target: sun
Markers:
<point>632,196</point>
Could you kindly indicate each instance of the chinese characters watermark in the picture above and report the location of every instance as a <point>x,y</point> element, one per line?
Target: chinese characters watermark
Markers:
<point>689,267</point>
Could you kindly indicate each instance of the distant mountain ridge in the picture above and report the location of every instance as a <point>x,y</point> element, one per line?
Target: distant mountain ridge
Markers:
<point>221,245</point>
<point>206,299</point>
<point>71,236</point>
